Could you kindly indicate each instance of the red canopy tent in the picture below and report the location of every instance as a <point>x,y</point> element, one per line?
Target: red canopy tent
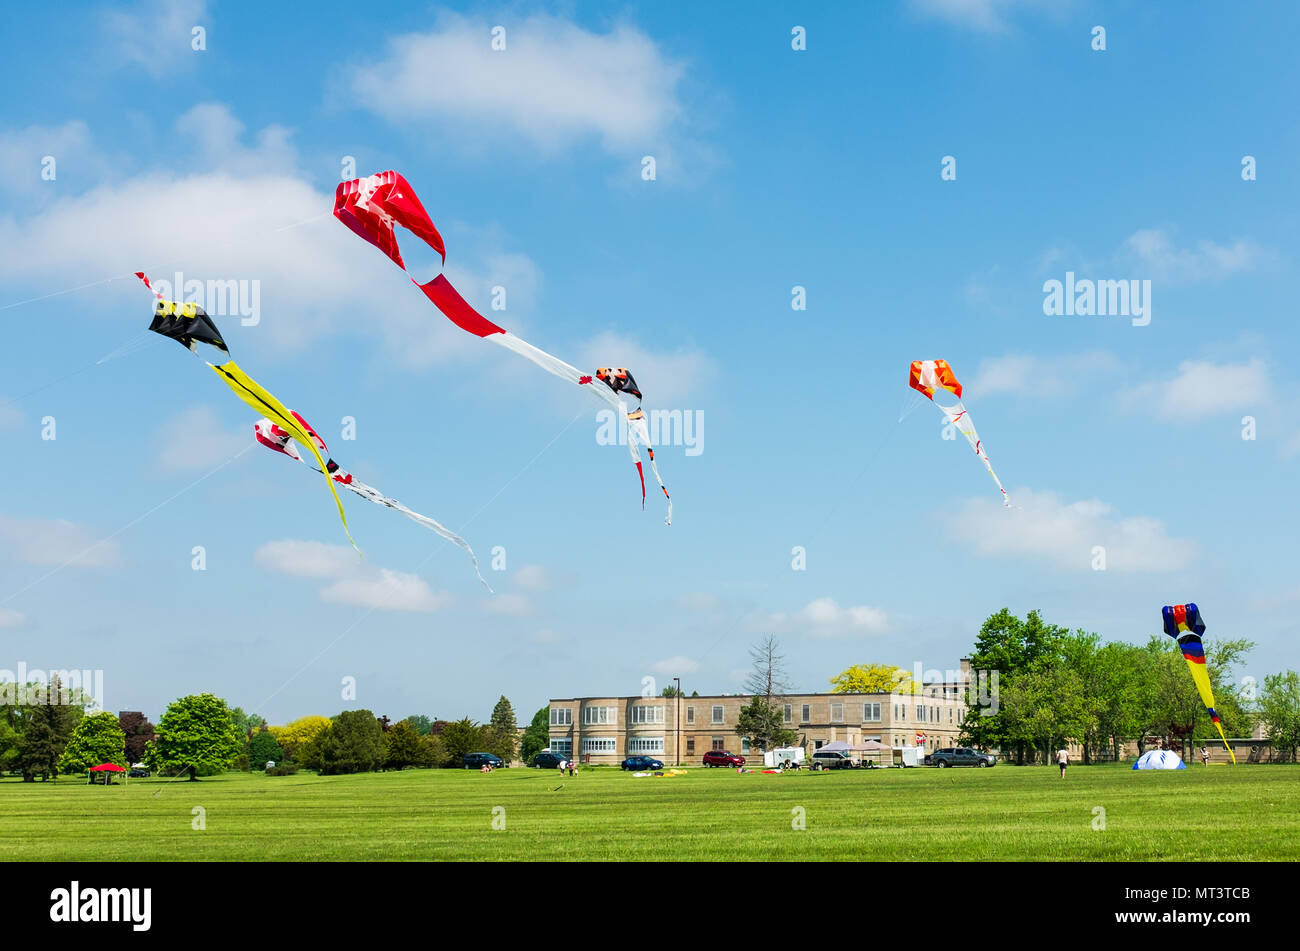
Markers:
<point>105,768</point>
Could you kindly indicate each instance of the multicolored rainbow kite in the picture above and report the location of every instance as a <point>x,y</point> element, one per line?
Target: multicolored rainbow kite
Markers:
<point>1183,623</point>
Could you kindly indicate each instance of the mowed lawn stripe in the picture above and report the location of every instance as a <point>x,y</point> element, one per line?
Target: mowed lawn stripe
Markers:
<point>1001,814</point>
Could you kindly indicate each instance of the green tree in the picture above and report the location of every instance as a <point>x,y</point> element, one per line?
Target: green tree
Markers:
<point>461,737</point>
<point>1006,647</point>
<point>538,735</point>
<point>420,723</point>
<point>1279,707</point>
<point>197,735</point>
<point>246,723</point>
<point>46,724</point>
<point>762,724</point>
<point>503,731</point>
<point>300,731</point>
<point>404,747</point>
<point>354,743</point>
<point>263,749</point>
<point>96,739</point>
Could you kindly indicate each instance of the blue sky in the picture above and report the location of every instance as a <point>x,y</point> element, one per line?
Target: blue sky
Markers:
<point>775,168</point>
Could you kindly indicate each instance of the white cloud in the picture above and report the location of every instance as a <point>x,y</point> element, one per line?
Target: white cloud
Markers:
<point>509,605</point>
<point>353,581</point>
<point>1049,530</point>
<point>984,16</point>
<point>23,151</point>
<point>196,439</point>
<point>668,379</point>
<point>241,214</point>
<point>675,666</point>
<point>306,559</point>
<point>40,541</point>
<point>12,620</point>
<point>1153,250</point>
<point>386,591</point>
<point>825,617</point>
<point>1201,388</point>
<point>11,417</point>
<point>532,578</point>
<point>1040,375</point>
<point>555,85</point>
<point>156,35</point>
<point>701,601</point>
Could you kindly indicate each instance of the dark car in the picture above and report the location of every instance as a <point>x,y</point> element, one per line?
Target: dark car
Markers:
<point>961,756</point>
<point>138,773</point>
<point>722,758</point>
<point>548,760</point>
<point>640,763</point>
<point>479,760</point>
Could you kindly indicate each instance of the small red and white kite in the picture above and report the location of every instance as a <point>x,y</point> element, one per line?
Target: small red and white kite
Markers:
<point>929,376</point>
<point>274,437</point>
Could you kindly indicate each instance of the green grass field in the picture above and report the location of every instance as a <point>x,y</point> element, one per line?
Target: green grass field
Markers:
<point>1001,814</point>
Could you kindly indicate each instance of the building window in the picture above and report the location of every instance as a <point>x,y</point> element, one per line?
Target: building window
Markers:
<point>600,715</point>
<point>920,713</point>
<point>561,716</point>
<point>871,712</point>
<point>717,714</point>
<point>599,744</point>
<point>719,743</point>
<point>644,714</point>
<point>805,713</point>
<point>744,744</point>
<point>563,747</point>
<point>645,744</point>
<point>837,713</point>
<point>690,744</point>
<point>690,714</point>
<point>950,714</point>
<point>788,713</point>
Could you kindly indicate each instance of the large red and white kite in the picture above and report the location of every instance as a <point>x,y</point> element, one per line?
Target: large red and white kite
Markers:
<point>373,206</point>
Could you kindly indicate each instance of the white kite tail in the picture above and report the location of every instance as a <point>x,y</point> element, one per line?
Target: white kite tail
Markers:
<point>374,495</point>
<point>960,418</point>
<point>638,432</point>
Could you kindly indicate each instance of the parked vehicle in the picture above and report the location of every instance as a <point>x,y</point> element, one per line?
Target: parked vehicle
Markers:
<point>833,759</point>
<point>639,763</point>
<point>722,758</point>
<point>548,760</point>
<point>138,773</point>
<point>479,760</point>
<point>961,756</point>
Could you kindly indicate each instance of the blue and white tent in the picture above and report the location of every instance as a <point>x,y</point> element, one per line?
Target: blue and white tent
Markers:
<point>1159,759</point>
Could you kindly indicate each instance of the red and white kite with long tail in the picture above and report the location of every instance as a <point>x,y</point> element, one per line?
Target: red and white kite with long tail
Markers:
<point>372,206</point>
<point>273,437</point>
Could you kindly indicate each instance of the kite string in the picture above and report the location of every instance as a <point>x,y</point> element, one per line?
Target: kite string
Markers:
<point>135,521</point>
<point>375,607</point>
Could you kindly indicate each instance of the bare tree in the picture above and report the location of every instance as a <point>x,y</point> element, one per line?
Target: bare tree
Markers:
<point>768,679</point>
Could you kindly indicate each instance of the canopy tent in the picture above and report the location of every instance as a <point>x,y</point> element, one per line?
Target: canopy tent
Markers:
<point>107,769</point>
<point>836,746</point>
<point>873,747</point>
<point>1159,759</point>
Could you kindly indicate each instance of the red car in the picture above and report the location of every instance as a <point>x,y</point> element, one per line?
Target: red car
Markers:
<point>722,758</point>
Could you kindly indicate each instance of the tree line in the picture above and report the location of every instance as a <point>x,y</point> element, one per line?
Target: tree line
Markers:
<point>201,735</point>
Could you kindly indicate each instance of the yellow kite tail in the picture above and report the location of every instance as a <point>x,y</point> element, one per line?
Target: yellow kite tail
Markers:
<point>1225,744</point>
<point>252,393</point>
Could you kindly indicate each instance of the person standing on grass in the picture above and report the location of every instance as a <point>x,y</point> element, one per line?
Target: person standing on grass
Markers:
<point>562,765</point>
<point>1063,760</point>
<point>1205,755</point>
<point>573,768</point>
